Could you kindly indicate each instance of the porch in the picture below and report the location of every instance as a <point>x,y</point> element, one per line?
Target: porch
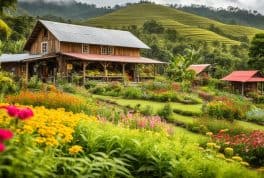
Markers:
<point>80,69</point>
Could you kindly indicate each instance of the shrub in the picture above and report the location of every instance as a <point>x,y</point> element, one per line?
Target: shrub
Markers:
<point>34,83</point>
<point>227,108</point>
<point>256,115</point>
<point>132,93</point>
<point>68,87</point>
<point>147,110</point>
<point>166,112</point>
<point>7,84</point>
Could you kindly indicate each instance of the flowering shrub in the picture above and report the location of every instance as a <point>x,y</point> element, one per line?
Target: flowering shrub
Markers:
<point>49,127</point>
<point>49,100</point>
<point>137,121</point>
<point>249,146</point>
<point>4,135</point>
<point>227,108</point>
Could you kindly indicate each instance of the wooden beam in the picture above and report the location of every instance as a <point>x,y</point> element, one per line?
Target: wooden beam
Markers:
<point>124,72</point>
<point>85,64</point>
<point>27,72</point>
<point>243,89</point>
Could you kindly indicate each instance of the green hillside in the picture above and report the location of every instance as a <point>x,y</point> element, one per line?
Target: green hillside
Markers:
<point>187,24</point>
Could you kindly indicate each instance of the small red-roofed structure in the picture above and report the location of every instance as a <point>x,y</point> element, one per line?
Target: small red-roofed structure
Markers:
<point>245,81</point>
<point>199,68</point>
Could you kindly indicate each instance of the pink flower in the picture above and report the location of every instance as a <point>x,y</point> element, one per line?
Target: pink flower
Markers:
<point>5,135</point>
<point>12,111</point>
<point>24,114</point>
<point>2,147</point>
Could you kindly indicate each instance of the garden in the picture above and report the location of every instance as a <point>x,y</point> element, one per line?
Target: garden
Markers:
<point>152,129</point>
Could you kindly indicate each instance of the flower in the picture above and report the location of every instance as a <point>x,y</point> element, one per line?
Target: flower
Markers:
<point>209,134</point>
<point>75,149</point>
<point>229,151</point>
<point>12,111</point>
<point>24,114</point>
<point>5,135</point>
<point>2,147</point>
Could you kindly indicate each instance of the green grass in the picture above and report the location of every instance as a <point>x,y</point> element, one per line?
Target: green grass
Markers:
<point>187,24</point>
<point>155,105</point>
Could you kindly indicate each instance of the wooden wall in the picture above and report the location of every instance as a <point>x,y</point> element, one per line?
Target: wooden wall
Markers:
<point>53,43</point>
<point>96,49</point>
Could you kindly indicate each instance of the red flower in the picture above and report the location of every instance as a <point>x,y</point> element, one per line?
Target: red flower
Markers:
<point>24,114</point>
<point>12,111</point>
<point>5,135</point>
<point>2,147</point>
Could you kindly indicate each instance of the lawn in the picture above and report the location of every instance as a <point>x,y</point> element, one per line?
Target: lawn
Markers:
<point>155,105</point>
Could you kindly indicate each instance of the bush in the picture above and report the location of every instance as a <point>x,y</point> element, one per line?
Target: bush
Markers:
<point>68,87</point>
<point>147,110</point>
<point>256,115</point>
<point>166,112</point>
<point>227,108</point>
<point>132,93</point>
<point>7,84</point>
<point>34,83</point>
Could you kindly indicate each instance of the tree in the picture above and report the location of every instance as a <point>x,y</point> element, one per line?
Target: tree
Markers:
<point>6,4</point>
<point>152,26</point>
<point>256,52</point>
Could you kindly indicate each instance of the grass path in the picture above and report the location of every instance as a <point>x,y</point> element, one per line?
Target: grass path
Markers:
<point>155,105</point>
<point>177,117</point>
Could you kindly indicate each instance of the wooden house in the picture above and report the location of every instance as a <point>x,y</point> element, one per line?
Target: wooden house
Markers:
<point>245,81</point>
<point>91,53</point>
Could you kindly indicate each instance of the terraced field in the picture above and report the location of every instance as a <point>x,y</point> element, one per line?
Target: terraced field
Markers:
<point>187,24</point>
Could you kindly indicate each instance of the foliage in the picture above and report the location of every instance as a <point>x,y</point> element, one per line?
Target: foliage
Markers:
<point>152,26</point>
<point>34,83</point>
<point>166,112</point>
<point>7,84</point>
<point>5,31</point>
<point>50,100</point>
<point>256,52</point>
<point>6,4</point>
<point>227,108</point>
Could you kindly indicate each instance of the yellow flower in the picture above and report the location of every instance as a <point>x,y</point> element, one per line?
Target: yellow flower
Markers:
<point>211,145</point>
<point>229,152</point>
<point>209,134</point>
<point>244,163</point>
<point>75,149</point>
<point>237,158</point>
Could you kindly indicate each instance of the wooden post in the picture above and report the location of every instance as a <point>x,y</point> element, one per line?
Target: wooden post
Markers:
<point>27,74</point>
<point>243,89</point>
<point>105,70</point>
<point>124,72</point>
<point>154,70</point>
<point>84,72</point>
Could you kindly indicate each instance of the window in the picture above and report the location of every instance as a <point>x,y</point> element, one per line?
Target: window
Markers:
<point>85,48</point>
<point>44,47</point>
<point>106,50</point>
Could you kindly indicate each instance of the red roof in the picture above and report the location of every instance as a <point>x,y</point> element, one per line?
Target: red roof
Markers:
<point>198,68</point>
<point>244,76</point>
<point>109,58</point>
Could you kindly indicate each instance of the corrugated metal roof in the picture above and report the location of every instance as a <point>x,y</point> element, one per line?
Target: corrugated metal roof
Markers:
<point>198,68</point>
<point>243,76</point>
<point>17,57</point>
<point>109,58</point>
<point>91,35</point>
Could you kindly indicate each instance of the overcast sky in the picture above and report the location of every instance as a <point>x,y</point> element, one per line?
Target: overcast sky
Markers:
<point>245,4</point>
